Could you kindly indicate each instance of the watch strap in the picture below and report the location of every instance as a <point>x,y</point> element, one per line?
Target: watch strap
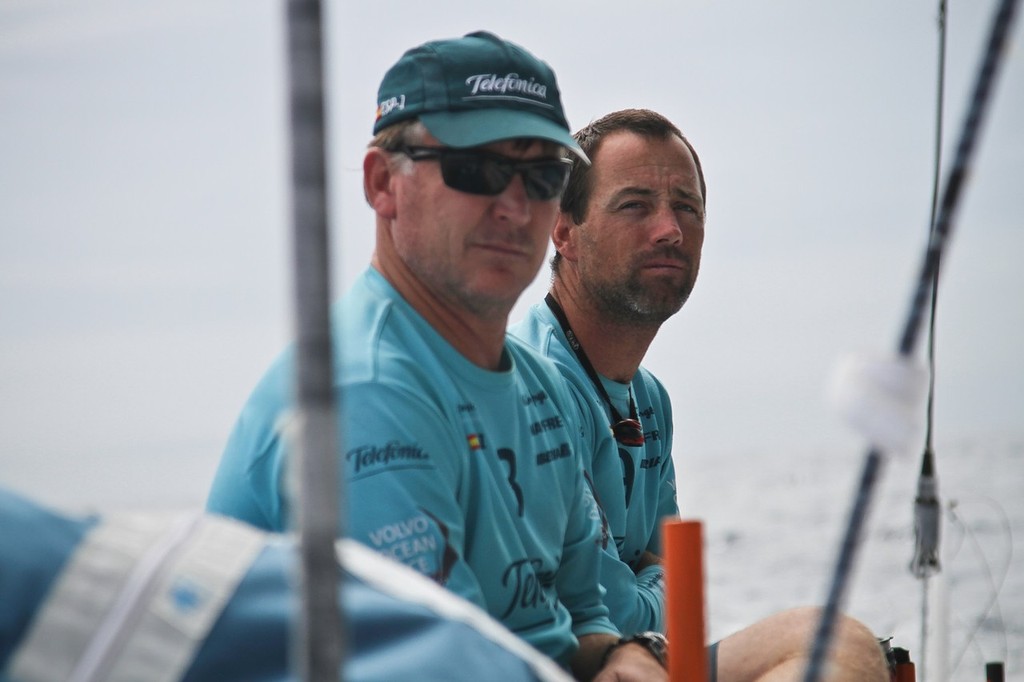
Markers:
<point>654,642</point>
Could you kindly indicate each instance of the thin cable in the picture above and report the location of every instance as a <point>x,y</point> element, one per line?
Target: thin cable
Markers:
<point>922,661</point>
<point>939,111</point>
<point>995,584</point>
<point>927,519</point>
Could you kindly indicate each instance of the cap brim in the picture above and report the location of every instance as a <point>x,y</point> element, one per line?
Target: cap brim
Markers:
<point>474,128</point>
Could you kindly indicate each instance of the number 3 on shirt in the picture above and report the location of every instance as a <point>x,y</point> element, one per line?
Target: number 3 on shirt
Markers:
<point>507,455</point>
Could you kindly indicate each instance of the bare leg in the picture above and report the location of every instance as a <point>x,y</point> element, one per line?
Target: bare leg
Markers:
<point>777,649</point>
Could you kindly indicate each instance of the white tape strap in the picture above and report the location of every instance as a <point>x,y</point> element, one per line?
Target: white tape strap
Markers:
<point>882,397</point>
<point>137,599</point>
<point>403,583</point>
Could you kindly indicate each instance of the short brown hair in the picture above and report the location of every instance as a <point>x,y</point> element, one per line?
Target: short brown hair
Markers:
<point>643,122</point>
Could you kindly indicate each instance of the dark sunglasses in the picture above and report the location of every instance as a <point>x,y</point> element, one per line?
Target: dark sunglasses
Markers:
<point>628,432</point>
<point>479,172</point>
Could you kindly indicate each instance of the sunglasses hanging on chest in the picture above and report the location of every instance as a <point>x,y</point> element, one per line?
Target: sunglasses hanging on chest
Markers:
<point>627,431</point>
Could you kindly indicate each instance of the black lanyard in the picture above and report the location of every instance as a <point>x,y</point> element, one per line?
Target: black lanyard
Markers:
<point>626,431</point>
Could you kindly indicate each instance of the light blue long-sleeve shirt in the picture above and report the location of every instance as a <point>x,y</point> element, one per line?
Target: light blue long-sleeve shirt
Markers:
<point>469,476</point>
<point>635,485</point>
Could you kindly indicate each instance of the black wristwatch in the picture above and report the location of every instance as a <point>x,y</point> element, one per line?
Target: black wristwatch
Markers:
<point>654,642</point>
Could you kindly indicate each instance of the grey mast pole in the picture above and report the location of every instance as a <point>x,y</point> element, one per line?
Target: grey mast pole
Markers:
<point>318,643</point>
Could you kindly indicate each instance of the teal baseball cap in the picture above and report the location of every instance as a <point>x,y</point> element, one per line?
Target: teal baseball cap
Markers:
<point>475,90</point>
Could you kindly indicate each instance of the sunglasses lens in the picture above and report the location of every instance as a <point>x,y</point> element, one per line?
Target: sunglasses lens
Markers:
<point>493,175</point>
<point>475,174</point>
<point>628,432</point>
<point>546,179</point>
<point>478,174</point>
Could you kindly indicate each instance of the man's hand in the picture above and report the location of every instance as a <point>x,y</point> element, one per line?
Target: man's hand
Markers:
<point>626,663</point>
<point>631,663</point>
<point>647,559</point>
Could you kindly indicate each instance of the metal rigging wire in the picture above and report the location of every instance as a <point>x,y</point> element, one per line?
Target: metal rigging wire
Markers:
<point>927,509</point>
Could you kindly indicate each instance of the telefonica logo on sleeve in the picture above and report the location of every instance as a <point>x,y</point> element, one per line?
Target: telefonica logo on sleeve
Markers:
<point>374,456</point>
<point>492,83</point>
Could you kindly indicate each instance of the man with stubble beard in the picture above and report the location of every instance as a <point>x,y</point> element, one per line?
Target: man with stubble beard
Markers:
<point>628,242</point>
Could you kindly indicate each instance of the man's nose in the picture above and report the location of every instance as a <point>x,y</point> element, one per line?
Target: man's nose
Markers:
<point>512,203</point>
<point>667,227</point>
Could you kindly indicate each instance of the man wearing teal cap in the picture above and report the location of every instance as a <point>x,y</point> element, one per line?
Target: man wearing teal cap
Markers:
<point>460,443</point>
<point>474,91</point>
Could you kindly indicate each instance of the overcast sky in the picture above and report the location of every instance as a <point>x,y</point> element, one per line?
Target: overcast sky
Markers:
<point>144,236</point>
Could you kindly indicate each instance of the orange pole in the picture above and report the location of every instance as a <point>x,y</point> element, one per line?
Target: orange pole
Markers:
<point>905,672</point>
<point>683,547</point>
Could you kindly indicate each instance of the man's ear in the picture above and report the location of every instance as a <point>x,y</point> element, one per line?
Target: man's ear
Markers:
<point>564,236</point>
<point>378,187</point>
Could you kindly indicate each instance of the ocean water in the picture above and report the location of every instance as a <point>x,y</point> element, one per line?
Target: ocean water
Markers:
<point>772,523</point>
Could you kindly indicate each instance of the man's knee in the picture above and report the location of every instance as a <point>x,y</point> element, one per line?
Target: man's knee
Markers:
<point>855,649</point>
<point>862,648</point>
<point>783,641</point>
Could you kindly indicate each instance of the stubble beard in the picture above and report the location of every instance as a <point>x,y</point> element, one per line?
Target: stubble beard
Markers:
<point>461,292</point>
<point>630,301</point>
<point>457,285</point>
